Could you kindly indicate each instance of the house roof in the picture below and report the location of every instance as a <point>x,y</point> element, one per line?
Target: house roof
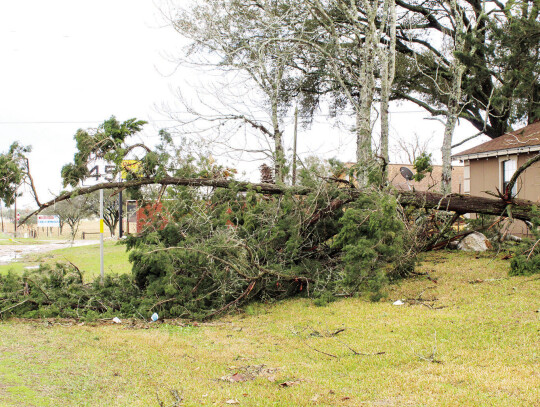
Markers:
<point>524,140</point>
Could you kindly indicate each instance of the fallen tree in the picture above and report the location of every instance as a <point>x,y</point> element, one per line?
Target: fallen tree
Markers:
<point>224,243</point>
<point>516,208</point>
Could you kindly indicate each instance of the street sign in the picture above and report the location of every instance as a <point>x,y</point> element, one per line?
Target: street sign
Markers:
<point>99,171</point>
<point>48,221</point>
<point>130,166</point>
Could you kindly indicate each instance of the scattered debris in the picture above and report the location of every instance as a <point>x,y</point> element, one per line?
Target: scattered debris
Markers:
<point>234,378</point>
<point>246,373</point>
<point>479,280</point>
<point>117,320</point>
<point>154,317</point>
<point>475,242</point>
<point>290,383</point>
<point>398,302</point>
<point>232,401</point>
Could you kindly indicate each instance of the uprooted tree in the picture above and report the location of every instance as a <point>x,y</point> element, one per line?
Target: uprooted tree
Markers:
<point>219,243</point>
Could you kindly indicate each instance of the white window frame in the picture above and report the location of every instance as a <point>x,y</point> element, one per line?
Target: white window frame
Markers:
<point>502,160</point>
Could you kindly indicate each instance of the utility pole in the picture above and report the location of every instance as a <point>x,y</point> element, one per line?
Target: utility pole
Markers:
<point>294,145</point>
<point>120,207</point>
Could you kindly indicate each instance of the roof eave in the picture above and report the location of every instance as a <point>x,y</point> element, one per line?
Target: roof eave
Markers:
<point>496,153</point>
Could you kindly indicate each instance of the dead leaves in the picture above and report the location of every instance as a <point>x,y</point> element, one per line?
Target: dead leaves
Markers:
<point>290,383</point>
<point>247,373</point>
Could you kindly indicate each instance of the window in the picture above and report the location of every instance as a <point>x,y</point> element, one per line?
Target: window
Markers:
<point>509,167</point>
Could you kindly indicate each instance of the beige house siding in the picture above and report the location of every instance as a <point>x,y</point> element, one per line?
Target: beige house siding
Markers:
<point>528,186</point>
<point>486,175</point>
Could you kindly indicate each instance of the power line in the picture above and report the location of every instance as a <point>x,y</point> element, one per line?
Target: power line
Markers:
<point>74,122</point>
<point>160,120</point>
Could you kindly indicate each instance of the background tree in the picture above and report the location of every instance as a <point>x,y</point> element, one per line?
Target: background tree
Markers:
<point>240,36</point>
<point>14,170</point>
<point>111,209</point>
<point>494,68</point>
<point>72,211</point>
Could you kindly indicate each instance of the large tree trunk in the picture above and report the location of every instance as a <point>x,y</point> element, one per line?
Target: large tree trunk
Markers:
<point>517,208</point>
<point>364,155</point>
<point>388,66</point>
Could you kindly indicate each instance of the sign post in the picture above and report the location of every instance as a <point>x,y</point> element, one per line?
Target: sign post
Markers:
<point>101,264</point>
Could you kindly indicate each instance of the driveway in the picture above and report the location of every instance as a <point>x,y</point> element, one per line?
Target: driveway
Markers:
<point>11,253</point>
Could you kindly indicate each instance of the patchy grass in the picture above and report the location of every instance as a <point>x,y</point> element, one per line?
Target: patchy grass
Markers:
<point>20,241</point>
<point>86,258</point>
<point>469,339</point>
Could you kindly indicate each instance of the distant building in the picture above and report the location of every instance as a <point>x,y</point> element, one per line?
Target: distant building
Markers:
<point>431,181</point>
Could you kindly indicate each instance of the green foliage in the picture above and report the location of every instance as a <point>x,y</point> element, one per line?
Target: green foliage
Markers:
<point>107,142</point>
<point>527,260</point>
<point>59,291</point>
<point>422,164</point>
<point>13,169</point>
<point>373,244</point>
<point>216,250</point>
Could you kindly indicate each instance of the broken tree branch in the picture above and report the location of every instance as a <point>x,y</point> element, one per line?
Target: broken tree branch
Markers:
<point>520,209</point>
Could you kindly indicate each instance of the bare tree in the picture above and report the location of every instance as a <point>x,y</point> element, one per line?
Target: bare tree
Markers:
<point>239,36</point>
<point>72,211</point>
<point>408,150</point>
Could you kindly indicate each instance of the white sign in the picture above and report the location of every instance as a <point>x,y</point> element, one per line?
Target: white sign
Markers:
<point>48,221</point>
<point>99,171</point>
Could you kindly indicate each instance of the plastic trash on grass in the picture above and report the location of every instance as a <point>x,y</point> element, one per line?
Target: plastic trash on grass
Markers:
<point>154,317</point>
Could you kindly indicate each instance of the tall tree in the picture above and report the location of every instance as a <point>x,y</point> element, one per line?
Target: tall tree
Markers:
<point>244,36</point>
<point>499,57</point>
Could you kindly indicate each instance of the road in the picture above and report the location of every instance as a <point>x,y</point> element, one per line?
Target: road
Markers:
<point>10,253</point>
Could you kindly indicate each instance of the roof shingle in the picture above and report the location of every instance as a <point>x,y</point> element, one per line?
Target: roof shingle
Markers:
<point>525,137</point>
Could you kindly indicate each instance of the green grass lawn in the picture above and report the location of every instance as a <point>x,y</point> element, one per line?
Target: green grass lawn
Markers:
<point>470,339</point>
<point>86,258</point>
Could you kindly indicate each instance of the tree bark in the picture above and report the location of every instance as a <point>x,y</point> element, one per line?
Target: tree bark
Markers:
<point>517,208</point>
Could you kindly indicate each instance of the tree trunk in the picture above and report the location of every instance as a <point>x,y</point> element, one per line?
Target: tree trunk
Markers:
<point>518,208</point>
<point>364,156</point>
<point>388,63</point>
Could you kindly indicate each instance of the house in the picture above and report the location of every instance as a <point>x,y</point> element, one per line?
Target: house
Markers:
<point>489,166</point>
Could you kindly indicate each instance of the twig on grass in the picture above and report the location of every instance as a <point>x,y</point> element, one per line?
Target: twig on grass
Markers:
<point>431,358</point>
<point>359,353</point>
<point>320,351</point>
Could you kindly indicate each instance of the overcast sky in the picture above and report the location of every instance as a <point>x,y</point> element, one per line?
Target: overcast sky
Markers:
<point>70,64</point>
